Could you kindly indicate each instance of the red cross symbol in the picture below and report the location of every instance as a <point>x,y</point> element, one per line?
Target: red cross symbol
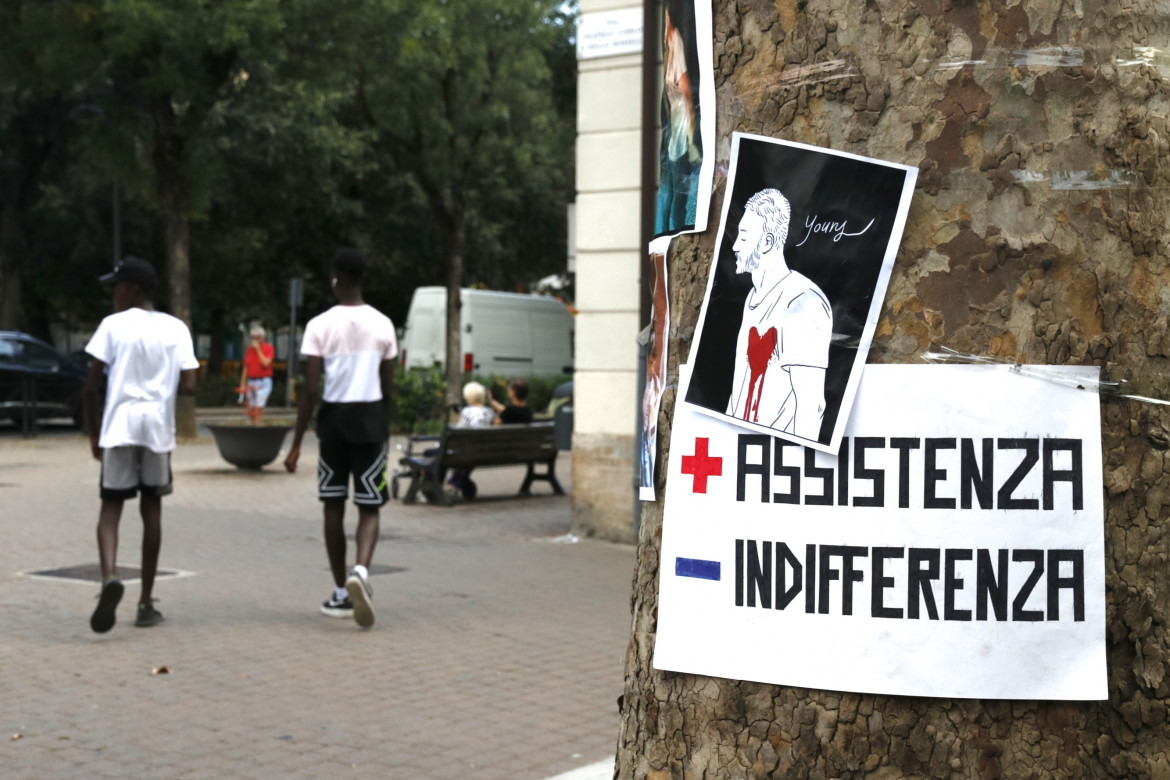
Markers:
<point>701,465</point>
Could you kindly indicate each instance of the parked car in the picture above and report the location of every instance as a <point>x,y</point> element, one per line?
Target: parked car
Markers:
<point>57,380</point>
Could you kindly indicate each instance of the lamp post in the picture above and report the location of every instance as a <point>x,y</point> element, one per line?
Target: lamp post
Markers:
<point>296,297</point>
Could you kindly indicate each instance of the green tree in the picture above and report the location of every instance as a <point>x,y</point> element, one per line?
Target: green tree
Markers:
<point>993,263</point>
<point>459,97</point>
<point>45,62</point>
<point>284,198</point>
<point>175,69</point>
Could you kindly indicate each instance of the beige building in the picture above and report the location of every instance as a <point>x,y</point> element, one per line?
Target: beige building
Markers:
<point>608,260</point>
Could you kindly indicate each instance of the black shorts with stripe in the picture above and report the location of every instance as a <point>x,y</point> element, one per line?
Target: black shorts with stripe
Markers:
<point>366,461</point>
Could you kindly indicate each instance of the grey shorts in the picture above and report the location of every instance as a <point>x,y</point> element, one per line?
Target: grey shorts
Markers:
<point>126,470</point>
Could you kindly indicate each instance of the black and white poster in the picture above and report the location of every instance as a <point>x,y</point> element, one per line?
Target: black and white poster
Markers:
<point>953,546</point>
<point>687,149</point>
<point>805,247</point>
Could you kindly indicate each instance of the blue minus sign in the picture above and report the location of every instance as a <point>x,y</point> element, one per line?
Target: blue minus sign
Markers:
<point>697,568</point>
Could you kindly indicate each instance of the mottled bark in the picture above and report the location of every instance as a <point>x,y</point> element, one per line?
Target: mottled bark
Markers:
<point>1037,232</point>
<point>455,244</point>
<point>173,182</point>
<point>172,179</point>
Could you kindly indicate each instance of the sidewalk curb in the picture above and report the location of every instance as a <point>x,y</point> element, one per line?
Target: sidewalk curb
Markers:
<point>602,770</point>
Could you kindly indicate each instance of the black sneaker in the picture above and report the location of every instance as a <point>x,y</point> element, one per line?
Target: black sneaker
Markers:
<point>105,614</point>
<point>338,608</point>
<point>148,616</point>
<point>360,593</point>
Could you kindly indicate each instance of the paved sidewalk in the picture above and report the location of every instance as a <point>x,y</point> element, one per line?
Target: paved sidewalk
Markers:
<point>497,652</point>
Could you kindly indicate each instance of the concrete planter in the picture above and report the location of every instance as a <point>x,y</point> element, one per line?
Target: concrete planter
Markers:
<point>249,447</point>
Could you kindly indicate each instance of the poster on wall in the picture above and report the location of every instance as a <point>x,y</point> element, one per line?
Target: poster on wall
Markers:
<point>687,151</point>
<point>805,247</point>
<point>655,369</point>
<point>954,547</point>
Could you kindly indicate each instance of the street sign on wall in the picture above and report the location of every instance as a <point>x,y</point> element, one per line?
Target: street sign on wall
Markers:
<point>609,33</point>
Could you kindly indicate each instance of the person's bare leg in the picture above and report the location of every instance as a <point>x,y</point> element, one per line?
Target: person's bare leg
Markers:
<point>366,537</point>
<point>358,584</point>
<point>150,508</point>
<point>105,614</point>
<point>335,538</point>
<point>107,537</point>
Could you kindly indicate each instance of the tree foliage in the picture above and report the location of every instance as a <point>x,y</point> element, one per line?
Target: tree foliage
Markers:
<point>473,131</point>
<point>251,140</point>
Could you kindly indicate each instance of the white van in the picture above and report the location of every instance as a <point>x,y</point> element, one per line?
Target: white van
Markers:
<point>509,334</point>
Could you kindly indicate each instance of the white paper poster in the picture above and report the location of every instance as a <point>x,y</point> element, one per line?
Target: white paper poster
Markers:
<point>954,547</point>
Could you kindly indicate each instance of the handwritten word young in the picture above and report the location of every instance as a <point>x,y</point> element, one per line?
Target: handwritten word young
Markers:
<point>837,230</point>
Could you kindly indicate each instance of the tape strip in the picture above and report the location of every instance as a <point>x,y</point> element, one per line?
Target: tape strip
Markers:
<point>1055,374</point>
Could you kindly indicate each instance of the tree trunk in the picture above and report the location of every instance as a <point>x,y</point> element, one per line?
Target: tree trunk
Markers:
<point>1037,232</point>
<point>178,237</point>
<point>455,248</point>
<point>172,180</point>
<point>215,355</point>
<point>10,276</point>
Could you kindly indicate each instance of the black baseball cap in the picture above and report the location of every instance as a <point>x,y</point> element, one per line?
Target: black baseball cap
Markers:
<point>132,269</point>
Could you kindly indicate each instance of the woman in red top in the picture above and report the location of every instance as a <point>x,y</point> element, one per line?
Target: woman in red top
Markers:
<point>256,377</point>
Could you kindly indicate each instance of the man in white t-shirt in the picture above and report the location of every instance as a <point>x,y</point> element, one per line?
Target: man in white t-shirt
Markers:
<point>782,351</point>
<point>355,346</point>
<point>148,358</point>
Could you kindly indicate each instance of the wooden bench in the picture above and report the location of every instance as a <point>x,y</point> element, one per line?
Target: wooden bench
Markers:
<point>468,448</point>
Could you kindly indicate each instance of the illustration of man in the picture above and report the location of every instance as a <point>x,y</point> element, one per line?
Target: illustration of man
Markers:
<point>783,347</point>
<point>355,346</point>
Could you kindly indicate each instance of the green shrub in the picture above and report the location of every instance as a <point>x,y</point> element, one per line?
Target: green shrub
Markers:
<point>216,391</point>
<point>419,395</point>
<point>540,388</point>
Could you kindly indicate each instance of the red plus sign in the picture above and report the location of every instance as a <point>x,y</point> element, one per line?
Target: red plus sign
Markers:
<point>701,465</point>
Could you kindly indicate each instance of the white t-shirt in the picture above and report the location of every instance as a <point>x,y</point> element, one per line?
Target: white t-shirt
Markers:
<point>353,341</point>
<point>145,351</point>
<point>476,417</point>
<point>791,324</point>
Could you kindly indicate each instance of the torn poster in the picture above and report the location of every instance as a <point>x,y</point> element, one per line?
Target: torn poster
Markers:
<point>687,150</point>
<point>952,547</point>
<point>655,369</point>
<point>804,252</point>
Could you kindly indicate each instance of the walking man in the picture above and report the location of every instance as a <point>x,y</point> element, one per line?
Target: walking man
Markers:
<point>355,345</point>
<point>149,359</point>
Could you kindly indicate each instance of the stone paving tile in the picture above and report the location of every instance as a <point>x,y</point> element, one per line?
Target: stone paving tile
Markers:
<point>497,652</point>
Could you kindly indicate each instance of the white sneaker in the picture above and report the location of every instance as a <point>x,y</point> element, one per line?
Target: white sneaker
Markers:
<point>360,593</point>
